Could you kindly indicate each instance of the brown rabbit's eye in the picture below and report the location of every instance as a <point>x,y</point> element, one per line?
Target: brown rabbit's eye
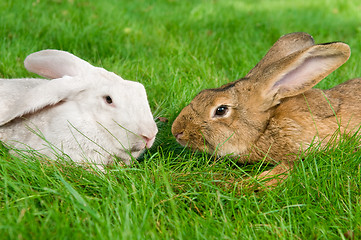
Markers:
<point>221,111</point>
<point>108,99</point>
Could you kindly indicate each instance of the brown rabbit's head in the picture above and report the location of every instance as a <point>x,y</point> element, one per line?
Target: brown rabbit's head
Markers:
<point>231,118</point>
<point>222,119</point>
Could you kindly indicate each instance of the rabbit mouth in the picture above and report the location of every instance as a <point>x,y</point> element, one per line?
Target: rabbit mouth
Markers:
<point>137,148</point>
<point>126,156</point>
<point>182,142</point>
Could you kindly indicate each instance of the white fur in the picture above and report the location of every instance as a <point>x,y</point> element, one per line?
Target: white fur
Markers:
<point>69,115</point>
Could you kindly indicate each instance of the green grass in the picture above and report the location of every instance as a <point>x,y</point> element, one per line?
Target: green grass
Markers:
<point>177,48</point>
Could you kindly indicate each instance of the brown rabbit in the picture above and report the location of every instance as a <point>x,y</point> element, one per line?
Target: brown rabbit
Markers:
<point>272,114</point>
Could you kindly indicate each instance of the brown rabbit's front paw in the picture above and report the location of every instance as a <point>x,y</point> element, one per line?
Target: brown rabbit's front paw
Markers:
<point>271,178</point>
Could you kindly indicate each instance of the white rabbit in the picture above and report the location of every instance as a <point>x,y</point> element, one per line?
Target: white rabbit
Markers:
<point>85,112</point>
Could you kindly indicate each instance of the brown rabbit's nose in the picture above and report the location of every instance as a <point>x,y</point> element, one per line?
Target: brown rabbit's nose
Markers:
<point>178,136</point>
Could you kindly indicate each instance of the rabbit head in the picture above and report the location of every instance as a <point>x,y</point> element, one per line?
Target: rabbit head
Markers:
<point>232,118</point>
<point>84,110</point>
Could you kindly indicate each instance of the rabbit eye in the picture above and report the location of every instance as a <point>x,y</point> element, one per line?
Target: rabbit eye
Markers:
<point>221,111</point>
<point>108,99</point>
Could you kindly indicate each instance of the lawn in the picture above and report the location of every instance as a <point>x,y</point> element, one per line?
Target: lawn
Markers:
<point>176,48</point>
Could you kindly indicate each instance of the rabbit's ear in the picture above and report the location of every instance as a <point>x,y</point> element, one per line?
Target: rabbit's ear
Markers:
<point>39,97</point>
<point>300,71</point>
<point>285,45</point>
<point>55,64</point>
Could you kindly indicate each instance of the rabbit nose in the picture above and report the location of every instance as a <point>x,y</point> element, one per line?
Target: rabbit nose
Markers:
<point>148,141</point>
<point>178,136</point>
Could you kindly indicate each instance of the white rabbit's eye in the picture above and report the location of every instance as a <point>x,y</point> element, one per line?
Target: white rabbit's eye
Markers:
<point>108,99</point>
<point>221,111</point>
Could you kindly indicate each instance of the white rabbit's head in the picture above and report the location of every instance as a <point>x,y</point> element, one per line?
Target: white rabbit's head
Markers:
<point>121,111</point>
<point>107,113</point>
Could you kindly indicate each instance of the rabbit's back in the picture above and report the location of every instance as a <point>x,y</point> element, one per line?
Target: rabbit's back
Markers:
<point>31,128</point>
<point>349,92</point>
<point>349,96</point>
<point>53,130</point>
<point>308,118</point>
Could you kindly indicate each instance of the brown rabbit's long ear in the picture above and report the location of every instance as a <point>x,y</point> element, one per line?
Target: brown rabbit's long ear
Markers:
<point>285,45</point>
<point>300,71</point>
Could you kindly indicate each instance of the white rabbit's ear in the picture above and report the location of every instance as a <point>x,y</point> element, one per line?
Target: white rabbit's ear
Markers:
<point>300,71</point>
<point>285,45</point>
<point>56,64</point>
<point>39,97</point>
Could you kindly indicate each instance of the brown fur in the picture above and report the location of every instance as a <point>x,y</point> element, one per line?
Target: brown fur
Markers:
<point>273,114</point>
